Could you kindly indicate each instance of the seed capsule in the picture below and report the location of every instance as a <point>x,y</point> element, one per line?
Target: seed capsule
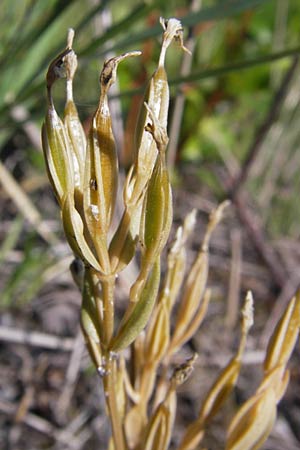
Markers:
<point>72,123</point>
<point>157,210</point>
<point>101,167</point>
<point>137,316</point>
<point>157,97</point>
<point>55,141</point>
<point>74,230</point>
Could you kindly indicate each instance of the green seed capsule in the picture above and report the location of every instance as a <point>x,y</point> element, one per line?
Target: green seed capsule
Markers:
<point>57,154</point>
<point>74,230</point>
<point>138,314</point>
<point>157,210</point>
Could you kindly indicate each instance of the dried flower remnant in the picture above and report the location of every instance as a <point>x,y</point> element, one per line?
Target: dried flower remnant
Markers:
<point>140,387</point>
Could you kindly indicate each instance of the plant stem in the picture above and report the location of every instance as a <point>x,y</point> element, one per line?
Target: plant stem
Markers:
<point>108,286</point>
<point>109,362</point>
<point>110,383</point>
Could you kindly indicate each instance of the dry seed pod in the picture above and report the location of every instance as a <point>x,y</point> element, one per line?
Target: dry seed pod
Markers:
<point>138,313</point>
<point>193,294</point>
<point>61,160</point>
<point>153,217</point>
<point>159,430</point>
<point>176,262</point>
<point>101,168</point>
<point>123,243</point>
<point>214,400</point>
<point>227,379</point>
<point>158,334</point>
<point>157,97</point>
<point>72,123</point>
<point>58,161</point>
<point>158,433</point>
<point>74,230</point>
<point>195,285</point>
<point>134,424</point>
<point>55,141</point>
<point>194,324</point>
<point>222,387</point>
<point>284,337</point>
<point>254,421</point>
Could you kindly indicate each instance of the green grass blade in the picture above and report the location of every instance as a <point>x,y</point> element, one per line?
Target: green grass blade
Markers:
<point>123,25</point>
<point>210,73</point>
<point>19,73</point>
<point>228,9</point>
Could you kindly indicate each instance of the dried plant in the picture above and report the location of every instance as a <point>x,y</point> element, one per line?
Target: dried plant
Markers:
<point>140,392</point>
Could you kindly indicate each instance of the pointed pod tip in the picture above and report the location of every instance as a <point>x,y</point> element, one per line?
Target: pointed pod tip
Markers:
<point>57,68</point>
<point>109,72</point>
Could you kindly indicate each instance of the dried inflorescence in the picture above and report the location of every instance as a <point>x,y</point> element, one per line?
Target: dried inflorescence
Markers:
<point>83,172</point>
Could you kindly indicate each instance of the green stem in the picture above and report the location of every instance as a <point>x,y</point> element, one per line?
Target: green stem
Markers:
<point>110,383</point>
<point>108,285</point>
<point>108,365</point>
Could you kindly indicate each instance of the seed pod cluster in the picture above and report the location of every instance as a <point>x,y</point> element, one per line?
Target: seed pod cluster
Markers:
<point>154,110</point>
<point>83,171</point>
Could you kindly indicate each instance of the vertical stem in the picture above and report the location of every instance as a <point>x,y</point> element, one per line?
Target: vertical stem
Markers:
<point>110,363</point>
<point>108,286</point>
<point>110,383</point>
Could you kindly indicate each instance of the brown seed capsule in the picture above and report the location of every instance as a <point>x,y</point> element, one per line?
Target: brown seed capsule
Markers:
<point>101,167</point>
<point>157,98</point>
<point>72,123</point>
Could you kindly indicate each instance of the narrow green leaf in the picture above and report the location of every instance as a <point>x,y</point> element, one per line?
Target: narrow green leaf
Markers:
<point>141,11</point>
<point>21,72</point>
<point>228,9</point>
<point>241,65</point>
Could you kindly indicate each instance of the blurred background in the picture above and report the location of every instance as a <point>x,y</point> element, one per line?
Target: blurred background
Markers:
<point>234,133</point>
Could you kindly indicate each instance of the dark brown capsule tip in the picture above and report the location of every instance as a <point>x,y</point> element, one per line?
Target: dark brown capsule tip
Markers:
<point>57,68</point>
<point>107,71</point>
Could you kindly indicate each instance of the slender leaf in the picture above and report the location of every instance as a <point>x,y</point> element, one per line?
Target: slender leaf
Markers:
<point>229,8</point>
